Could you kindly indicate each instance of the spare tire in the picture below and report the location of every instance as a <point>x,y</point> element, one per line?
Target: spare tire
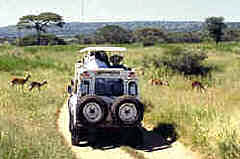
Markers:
<point>128,111</point>
<point>92,110</point>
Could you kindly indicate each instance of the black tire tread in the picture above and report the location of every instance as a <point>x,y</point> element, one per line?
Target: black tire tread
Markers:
<point>130,99</point>
<point>87,99</point>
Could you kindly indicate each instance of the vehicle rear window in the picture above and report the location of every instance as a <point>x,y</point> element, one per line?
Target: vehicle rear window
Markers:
<point>109,87</point>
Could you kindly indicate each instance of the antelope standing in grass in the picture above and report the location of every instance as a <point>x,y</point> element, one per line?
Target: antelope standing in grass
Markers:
<point>198,85</point>
<point>19,81</point>
<point>38,85</point>
<point>158,82</point>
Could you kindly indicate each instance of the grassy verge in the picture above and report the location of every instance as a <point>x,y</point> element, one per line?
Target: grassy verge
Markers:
<point>28,119</point>
<point>209,121</point>
<point>206,121</point>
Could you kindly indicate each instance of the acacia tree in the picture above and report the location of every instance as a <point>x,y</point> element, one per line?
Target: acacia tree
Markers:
<point>215,27</point>
<point>40,22</point>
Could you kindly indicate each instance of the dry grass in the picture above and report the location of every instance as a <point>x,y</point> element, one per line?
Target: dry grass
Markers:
<point>28,120</point>
<point>209,121</point>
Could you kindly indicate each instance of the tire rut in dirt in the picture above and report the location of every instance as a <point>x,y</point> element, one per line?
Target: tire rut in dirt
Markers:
<point>87,151</point>
<point>177,151</point>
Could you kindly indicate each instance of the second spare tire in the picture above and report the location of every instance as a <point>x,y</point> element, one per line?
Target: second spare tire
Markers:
<point>128,110</point>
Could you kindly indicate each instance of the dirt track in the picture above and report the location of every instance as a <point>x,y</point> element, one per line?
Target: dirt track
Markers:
<point>153,147</point>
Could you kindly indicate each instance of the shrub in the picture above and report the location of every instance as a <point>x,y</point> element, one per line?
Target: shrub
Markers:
<point>188,62</point>
<point>184,37</point>
<point>231,35</point>
<point>150,36</point>
<point>28,41</point>
<point>46,39</point>
<point>178,60</point>
<point>85,39</point>
<point>148,42</point>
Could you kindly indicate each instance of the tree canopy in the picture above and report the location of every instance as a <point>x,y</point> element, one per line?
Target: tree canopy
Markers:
<point>114,34</point>
<point>40,22</point>
<point>215,27</point>
<point>150,36</point>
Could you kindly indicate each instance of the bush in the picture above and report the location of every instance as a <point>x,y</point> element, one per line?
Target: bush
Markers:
<point>28,41</point>
<point>182,37</point>
<point>231,35</point>
<point>188,62</point>
<point>150,36</point>
<point>44,40</point>
<point>86,39</point>
<point>148,42</point>
<point>184,61</point>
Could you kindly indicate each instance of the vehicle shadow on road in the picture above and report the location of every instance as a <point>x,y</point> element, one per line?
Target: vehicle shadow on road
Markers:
<point>161,137</point>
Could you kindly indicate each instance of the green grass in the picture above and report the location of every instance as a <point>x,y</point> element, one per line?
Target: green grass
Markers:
<point>28,119</point>
<point>20,60</point>
<point>53,49</point>
<point>208,122</point>
<point>201,119</point>
<point>10,63</point>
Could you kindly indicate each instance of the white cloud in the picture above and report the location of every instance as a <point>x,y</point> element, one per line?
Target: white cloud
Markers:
<point>107,10</point>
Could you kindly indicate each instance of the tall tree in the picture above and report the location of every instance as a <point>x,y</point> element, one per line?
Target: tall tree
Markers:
<point>40,22</point>
<point>215,27</point>
<point>114,34</point>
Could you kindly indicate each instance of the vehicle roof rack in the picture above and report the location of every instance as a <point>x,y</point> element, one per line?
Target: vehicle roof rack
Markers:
<point>107,49</point>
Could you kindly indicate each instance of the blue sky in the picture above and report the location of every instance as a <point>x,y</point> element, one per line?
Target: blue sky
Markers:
<point>121,10</point>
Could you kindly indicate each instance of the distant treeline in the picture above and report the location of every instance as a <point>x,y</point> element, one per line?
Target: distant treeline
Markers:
<point>114,34</point>
<point>149,36</point>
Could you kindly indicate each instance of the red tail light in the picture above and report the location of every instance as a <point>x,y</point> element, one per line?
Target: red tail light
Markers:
<point>132,75</point>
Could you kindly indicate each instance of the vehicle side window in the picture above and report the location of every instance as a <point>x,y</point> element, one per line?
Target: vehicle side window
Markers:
<point>132,89</point>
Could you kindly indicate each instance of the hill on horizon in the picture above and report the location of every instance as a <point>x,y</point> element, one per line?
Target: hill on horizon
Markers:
<point>76,28</point>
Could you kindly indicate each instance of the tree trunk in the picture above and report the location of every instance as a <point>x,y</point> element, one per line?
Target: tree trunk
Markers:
<point>38,37</point>
<point>218,39</point>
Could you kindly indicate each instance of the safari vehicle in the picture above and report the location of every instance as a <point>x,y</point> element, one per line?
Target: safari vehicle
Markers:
<point>103,95</point>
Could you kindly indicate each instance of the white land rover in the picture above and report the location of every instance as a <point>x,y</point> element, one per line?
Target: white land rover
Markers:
<point>103,95</point>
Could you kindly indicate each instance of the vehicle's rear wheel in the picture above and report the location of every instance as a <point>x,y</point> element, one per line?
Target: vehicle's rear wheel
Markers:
<point>74,135</point>
<point>128,110</point>
<point>92,110</point>
<point>70,122</point>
